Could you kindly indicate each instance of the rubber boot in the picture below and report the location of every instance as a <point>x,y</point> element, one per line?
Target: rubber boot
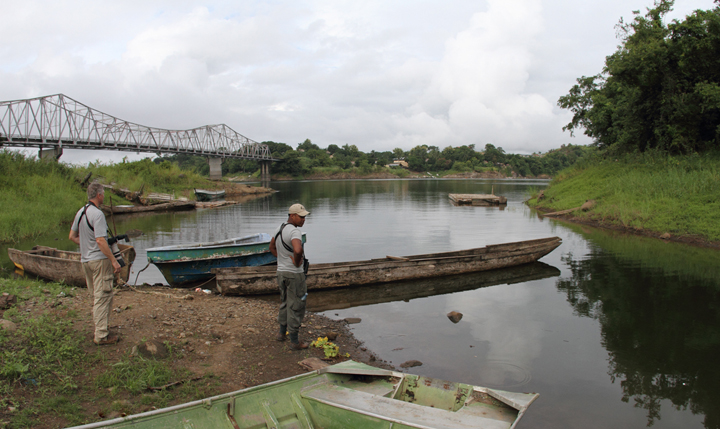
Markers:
<point>282,334</point>
<point>295,343</point>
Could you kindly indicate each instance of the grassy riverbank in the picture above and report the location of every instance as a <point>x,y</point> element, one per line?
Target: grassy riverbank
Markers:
<point>53,376</point>
<point>38,197</point>
<point>651,193</point>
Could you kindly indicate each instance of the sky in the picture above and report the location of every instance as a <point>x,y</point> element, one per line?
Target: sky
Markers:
<point>379,75</point>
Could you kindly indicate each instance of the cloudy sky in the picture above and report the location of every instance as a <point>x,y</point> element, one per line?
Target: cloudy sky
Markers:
<point>376,74</point>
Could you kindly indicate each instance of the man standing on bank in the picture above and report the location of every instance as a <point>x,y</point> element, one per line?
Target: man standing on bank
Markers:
<point>287,246</point>
<point>89,231</point>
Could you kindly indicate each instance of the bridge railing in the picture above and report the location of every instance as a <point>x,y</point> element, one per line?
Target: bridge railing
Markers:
<point>60,121</point>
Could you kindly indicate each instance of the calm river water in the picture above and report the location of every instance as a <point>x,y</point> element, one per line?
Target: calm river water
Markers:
<point>613,331</point>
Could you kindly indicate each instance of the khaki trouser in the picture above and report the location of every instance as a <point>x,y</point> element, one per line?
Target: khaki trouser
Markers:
<point>292,309</point>
<point>99,278</point>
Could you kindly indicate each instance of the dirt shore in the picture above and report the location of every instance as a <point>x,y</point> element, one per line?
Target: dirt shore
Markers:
<point>230,338</point>
<point>234,337</point>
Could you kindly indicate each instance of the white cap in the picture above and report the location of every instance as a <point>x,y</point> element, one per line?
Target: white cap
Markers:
<point>298,209</point>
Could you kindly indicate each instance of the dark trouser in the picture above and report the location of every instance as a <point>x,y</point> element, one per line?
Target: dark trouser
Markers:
<point>292,308</point>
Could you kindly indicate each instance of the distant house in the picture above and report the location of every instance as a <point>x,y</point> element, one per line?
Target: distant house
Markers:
<point>398,163</point>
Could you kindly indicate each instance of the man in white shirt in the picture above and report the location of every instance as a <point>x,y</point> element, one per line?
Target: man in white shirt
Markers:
<point>287,246</point>
<point>89,231</point>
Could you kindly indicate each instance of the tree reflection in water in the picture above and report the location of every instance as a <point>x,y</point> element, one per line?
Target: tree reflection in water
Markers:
<point>662,331</point>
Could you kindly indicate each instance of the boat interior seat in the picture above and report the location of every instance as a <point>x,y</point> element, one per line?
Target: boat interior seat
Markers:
<point>406,413</point>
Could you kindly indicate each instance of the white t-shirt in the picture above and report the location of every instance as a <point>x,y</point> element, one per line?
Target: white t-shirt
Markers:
<point>89,249</point>
<point>285,257</point>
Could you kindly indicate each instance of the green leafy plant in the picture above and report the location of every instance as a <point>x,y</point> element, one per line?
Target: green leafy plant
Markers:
<point>331,350</point>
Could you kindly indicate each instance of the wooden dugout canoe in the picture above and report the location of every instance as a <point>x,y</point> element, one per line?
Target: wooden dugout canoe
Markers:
<point>125,209</point>
<point>346,395</point>
<point>262,280</point>
<point>61,265</point>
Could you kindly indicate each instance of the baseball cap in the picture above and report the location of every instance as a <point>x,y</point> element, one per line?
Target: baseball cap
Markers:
<point>298,209</point>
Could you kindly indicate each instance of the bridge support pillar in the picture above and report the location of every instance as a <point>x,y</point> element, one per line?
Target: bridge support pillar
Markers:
<point>50,154</point>
<point>215,168</point>
<point>265,171</point>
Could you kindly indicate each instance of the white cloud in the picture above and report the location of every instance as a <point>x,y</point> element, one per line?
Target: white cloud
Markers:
<point>375,74</point>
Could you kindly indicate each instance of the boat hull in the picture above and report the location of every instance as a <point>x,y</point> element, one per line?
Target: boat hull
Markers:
<point>346,395</point>
<point>202,195</point>
<point>190,265</point>
<point>261,280</point>
<point>63,266</point>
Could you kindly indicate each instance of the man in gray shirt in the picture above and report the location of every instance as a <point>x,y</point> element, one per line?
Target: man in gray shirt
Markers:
<point>287,246</point>
<point>89,231</point>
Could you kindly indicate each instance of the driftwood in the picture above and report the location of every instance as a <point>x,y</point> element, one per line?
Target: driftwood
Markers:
<point>129,195</point>
<point>588,205</point>
<point>174,206</point>
<point>262,280</point>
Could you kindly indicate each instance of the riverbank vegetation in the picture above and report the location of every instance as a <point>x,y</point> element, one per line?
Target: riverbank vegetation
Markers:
<point>43,352</point>
<point>38,197</point>
<point>654,115</point>
<point>310,160</point>
<point>653,192</point>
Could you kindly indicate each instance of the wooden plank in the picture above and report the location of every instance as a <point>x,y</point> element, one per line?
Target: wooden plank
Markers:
<point>397,411</point>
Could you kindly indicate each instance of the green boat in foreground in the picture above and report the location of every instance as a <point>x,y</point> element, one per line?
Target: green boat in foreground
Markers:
<point>346,395</point>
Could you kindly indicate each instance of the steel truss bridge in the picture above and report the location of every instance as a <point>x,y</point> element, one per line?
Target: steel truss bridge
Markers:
<point>56,122</point>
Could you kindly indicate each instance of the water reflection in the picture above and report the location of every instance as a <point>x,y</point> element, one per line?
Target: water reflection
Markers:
<point>343,298</point>
<point>408,290</point>
<point>628,318</point>
<point>659,323</point>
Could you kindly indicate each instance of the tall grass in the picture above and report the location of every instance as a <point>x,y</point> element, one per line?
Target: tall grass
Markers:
<point>656,192</point>
<point>35,196</point>
<point>165,177</point>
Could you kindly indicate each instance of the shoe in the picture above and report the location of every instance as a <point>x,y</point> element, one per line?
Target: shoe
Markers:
<point>110,339</point>
<point>281,337</point>
<point>298,346</point>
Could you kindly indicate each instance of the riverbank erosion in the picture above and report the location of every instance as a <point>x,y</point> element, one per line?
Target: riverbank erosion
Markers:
<point>669,197</point>
<point>176,346</point>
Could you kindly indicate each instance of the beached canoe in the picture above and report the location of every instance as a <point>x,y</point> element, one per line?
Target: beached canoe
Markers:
<point>203,195</point>
<point>262,280</point>
<point>346,395</point>
<point>61,265</point>
<point>339,298</point>
<point>172,206</point>
<point>187,265</point>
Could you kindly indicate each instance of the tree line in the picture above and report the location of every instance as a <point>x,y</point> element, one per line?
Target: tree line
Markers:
<point>308,158</point>
<point>660,91</point>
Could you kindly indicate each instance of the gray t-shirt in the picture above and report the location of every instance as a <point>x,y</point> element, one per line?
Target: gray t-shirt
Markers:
<point>285,257</point>
<point>89,249</point>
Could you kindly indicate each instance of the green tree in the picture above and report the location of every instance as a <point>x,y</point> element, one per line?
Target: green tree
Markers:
<point>307,145</point>
<point>659,90</point>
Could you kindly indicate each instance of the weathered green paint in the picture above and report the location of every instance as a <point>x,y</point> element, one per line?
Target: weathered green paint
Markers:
<point>347,395</point>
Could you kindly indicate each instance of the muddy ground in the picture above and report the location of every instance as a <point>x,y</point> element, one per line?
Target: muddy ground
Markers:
<point>231,338</point>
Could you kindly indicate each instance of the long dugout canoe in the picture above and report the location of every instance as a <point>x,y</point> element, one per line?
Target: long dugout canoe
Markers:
<point>63,266</point>
<point>262,280</point>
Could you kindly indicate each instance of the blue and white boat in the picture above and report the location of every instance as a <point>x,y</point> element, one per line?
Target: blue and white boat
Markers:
<point>188,265</point>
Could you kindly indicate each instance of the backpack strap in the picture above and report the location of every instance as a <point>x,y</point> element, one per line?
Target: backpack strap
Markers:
<point>92,228</point>
<point>84,213</point>
<point>288,248</point>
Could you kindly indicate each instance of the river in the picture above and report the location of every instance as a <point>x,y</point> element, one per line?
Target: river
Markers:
<point>612,330</point>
